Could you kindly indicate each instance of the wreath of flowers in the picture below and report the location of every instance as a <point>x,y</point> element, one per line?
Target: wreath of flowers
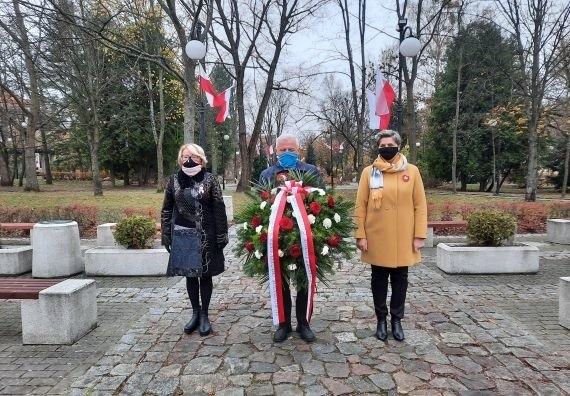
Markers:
<point>330,220</point>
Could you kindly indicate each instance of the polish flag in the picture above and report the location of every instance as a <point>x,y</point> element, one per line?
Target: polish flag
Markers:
<point>384,98</point>
<point>223,102</point>
<point>206,86</point>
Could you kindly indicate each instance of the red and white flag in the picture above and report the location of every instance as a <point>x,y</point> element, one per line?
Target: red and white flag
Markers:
<point>269,150</point>
<point>384,99</point>
<point>223,102</point>
<point>206,86</point>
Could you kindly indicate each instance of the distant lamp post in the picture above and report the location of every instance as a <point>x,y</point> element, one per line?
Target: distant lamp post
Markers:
<point>196,50</point>
<point>409,47</point>
<point>226,138</point>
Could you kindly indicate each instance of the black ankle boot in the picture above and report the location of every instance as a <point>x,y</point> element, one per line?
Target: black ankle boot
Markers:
<point>282,332</point>
<point>305,332</point>
<point>397,330</point>
<point>205,327</point>
<point>382,329</point>
<point>193,322</point>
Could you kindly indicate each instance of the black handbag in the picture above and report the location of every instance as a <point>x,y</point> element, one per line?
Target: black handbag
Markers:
<point>185,253</point>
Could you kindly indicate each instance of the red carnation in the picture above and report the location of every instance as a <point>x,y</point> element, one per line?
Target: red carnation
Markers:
<point>286,224</point>
<point>330,201</point>
<point>334,241</point>
<point>295,251</point>
<point>263,237</point>
<point>256,221</point>
<point>264,195</point>
<point>249,246</point>
<point>315,208</point>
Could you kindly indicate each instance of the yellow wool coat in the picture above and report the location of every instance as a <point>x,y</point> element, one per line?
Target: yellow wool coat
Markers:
<point>402,216</point>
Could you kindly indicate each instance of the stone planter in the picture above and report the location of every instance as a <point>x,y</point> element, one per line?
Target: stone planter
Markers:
<point>126,262</point>
<point>15,260</point>
<point>558,231</point>
<point>455,258</point>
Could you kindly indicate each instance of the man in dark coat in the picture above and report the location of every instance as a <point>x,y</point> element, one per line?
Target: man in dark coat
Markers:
<point>287,150</point>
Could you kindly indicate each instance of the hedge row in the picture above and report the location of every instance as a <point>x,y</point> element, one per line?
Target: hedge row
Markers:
<point>531,216</point>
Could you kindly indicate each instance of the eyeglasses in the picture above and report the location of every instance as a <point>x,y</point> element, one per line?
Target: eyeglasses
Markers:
<point>194,157</point>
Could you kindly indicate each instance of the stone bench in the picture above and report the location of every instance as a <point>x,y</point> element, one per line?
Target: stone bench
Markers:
<point>18,227</point>
<point>432,225</point>
<point>53,311</point>
<point>558,231</point>
<point>15,260</point>
<point>564,302</point>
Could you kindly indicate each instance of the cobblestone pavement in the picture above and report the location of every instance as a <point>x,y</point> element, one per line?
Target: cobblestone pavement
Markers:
<point>492,334</point>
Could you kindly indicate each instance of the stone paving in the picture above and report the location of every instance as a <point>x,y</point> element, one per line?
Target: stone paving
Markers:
<point>465,334</point>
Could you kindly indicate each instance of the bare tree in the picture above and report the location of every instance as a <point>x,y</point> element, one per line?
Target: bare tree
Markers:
<point>255,33</point>
<point>427,24</point>
<point>20,34</point>
<point>357,93</point>
<point>539,28</point>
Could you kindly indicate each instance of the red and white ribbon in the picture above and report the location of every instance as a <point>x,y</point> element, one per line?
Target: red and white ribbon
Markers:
<point>295,191</point>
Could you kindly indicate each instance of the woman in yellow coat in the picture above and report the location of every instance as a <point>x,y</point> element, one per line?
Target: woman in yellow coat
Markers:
<point>391,220</point>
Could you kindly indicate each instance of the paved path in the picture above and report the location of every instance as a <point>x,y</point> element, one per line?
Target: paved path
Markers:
<point>482,334</point>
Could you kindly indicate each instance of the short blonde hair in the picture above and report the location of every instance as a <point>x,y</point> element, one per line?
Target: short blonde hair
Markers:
<point>194,149</point>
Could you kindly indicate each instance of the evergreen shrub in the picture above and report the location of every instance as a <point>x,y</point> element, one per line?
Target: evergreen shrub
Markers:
<point>490,227</point>
<point>135,232</point>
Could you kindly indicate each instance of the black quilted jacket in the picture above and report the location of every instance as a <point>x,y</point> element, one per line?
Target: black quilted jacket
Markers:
<point>197,202</point>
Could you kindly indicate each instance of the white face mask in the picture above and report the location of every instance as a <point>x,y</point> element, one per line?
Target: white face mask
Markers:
<point>192,171</point>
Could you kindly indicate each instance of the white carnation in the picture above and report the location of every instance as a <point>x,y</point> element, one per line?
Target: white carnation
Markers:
<point>258,254</point>
<point>274,191</point>
<point>262,205</point>
<point>258,229</point>
<point>321,192</point>
<point>337,217</point>
<point>325,250</point>
<point>311,218</point>
<point>280,252</point>
<point>292,267</point>
<point>245,226</point>
<point>327,223</point>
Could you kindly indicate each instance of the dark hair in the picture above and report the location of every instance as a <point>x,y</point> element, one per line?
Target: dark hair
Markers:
<point>388,133</point>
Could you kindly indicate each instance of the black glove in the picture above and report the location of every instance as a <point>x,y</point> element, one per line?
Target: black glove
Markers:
<point>167,247</point>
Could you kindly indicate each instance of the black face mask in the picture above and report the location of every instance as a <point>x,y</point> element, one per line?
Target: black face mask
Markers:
<point>388,152</point>
<point>189,163</point>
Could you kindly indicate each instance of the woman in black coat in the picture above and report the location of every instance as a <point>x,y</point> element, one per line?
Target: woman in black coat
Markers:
<point>195,231</point>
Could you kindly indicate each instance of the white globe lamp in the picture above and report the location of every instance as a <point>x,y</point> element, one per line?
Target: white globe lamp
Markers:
<point>410,47</point>
<point>195,49</point>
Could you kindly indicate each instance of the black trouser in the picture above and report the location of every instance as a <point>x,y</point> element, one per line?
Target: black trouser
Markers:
<point>197,287</point>
<point>300,304</point>
<point>399,282</point>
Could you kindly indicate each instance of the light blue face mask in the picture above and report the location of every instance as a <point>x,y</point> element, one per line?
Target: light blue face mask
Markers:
<point>288,160</point>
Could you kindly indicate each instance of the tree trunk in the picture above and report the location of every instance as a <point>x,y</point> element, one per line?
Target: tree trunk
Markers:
<point>161,182</point>
<point>47,174</point>
<point>34,112</point>
<point>566,166</point>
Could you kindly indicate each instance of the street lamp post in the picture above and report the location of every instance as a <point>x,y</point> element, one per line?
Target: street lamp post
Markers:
<point>409,47</point>
<point>226,138</point>
<point>196,50</point>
